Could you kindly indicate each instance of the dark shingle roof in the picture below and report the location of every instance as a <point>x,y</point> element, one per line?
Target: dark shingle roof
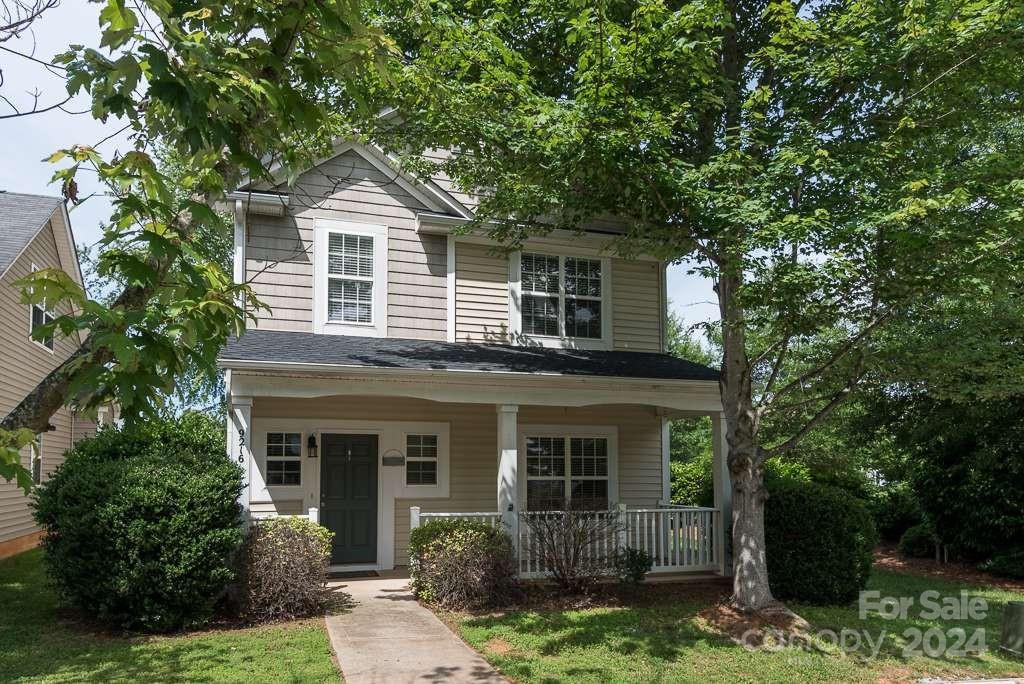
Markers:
<point>378,352</point>
<point>21,217</point>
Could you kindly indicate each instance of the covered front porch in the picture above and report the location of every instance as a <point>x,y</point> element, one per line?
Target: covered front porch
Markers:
<point>410,431</point>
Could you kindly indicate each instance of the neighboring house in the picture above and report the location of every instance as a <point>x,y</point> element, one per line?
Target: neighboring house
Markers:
<point>405,371</point>
<point>35,233</point>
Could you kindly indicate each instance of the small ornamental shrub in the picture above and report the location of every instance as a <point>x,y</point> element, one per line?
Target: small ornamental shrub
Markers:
<point>918,541</point>
<point>462,564</point>
<point>819,542</point>
<point>141,525</point>
<point>569,544</point>
<point>283,569</point>
<point>632,565</point>
<point>1009,564</point>
<point>895,510</point>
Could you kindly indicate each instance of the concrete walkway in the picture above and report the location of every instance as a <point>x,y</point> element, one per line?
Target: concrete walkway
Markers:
<point>386,636</point>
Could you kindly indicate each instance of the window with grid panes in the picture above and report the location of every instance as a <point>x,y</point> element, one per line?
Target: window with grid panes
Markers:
<point>284,458</point>
<point>561,296</point>
<point>350,278</point>
<point>564,471</point>
<point>421,459</point>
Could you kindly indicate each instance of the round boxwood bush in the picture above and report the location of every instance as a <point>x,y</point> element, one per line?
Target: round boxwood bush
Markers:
<point>819,542</point>
<point>283,569</point>
<point>918,541</point>
<point>462,564</point>
<point>142,524</point>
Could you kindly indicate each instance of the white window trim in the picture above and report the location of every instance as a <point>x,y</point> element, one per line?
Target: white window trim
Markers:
<point>378,326</point>
<point>260,449</point>
<point>609,432</point>
<point>440,489</point>
<point>515,309</point>
<point>46,312</point>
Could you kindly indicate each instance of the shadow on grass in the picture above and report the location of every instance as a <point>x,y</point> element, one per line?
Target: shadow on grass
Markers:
<point>37,645</point>
<point>672,641</point>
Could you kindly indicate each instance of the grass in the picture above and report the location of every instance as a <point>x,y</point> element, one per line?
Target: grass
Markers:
<point>37,645</point>
<point>670,642</point>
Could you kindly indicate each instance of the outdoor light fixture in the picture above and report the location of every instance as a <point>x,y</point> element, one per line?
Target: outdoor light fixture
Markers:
<point>311,446</point>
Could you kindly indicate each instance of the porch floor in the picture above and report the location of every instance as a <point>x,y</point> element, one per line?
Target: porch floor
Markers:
<point>386,636</point>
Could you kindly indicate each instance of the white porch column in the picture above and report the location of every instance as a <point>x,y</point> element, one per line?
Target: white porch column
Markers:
<point>240,445</point>
<point>723,490</point>
<point>508,465</point>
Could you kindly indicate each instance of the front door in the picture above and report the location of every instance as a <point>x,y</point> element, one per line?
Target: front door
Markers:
<point>348,496</point>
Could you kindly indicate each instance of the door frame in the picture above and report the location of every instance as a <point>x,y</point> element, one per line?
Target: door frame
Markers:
<point>319,494</point>
<point>390,481</point>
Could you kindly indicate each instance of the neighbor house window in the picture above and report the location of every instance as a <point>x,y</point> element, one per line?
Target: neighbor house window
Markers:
<point>421,459</point>
<point>41,316</point>
<point>35,462</point>
<point>561,296</point>
<point>349,278</point>
<point>284,458</point>
<point>564,471</point>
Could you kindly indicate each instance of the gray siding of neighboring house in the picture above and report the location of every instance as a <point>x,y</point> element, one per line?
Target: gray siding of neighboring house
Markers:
<point>24,363</point>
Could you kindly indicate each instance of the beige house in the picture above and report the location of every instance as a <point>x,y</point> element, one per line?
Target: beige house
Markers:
<point>407,371</point>
<point>35,233</point>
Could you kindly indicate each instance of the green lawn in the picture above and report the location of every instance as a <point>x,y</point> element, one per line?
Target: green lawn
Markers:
<point>670,643</point>
<point>36,645</point>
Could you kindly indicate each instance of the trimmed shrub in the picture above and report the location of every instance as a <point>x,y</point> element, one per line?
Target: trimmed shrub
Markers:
<point>819,542</point>
<point>462,564</point>
<point>632,565</point>
<point>1009,564</point>
<point>918,541</point>
<point>895,510</point>
<point>142,524</point>
<point>283,569</point>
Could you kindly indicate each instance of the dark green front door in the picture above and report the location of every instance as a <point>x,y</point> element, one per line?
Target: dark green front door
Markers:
<point>348,496</point>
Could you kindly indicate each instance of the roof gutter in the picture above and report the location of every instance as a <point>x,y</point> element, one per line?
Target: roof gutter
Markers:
<point>298,366</point>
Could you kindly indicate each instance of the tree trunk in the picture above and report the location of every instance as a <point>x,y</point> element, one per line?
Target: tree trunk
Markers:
<point>746,460</point>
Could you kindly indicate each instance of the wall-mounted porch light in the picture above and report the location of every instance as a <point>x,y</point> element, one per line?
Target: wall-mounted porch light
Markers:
<point>311,446</point>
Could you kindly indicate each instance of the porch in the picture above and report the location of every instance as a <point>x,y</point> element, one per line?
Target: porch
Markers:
<point>679,539</point>
<point>374,446</point>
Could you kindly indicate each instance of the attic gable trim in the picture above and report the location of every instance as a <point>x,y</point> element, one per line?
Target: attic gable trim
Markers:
<point>426,191</point>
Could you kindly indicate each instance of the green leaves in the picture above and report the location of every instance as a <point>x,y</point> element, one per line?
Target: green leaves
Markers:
<point>12,442</point>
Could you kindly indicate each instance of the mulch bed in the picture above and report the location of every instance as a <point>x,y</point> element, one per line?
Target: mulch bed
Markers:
<point>887,558</point>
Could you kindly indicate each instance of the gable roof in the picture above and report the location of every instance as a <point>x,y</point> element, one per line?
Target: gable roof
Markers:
<point>342,351</point>
<point>427,191</point>
<point>22,217</point>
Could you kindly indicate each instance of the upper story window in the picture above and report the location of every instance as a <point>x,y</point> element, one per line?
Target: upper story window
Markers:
<point>562,300</point>
<point>39,316</point>
<point>350,269</point>
<point>349,278</point>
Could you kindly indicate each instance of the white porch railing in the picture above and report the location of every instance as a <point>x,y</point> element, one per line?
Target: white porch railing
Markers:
<point>313,515</point>
<point>679,539</point>
<point>418,517</point>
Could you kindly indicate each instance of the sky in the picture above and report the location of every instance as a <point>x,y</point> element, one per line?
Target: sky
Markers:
<point>26,141</point>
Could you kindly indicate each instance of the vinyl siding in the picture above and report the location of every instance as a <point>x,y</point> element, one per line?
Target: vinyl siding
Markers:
<point>474,447</point>
<point>481,299</point>
<point>481,294</point>
<point>637,305</point>
<point>23,364</point>
<point>279,258</point>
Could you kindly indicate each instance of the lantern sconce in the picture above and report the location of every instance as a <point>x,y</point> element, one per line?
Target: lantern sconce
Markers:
<point>311,446</point>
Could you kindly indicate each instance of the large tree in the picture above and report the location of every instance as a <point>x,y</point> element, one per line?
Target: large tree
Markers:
<point>230,88</point>
<point>833,165</point>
